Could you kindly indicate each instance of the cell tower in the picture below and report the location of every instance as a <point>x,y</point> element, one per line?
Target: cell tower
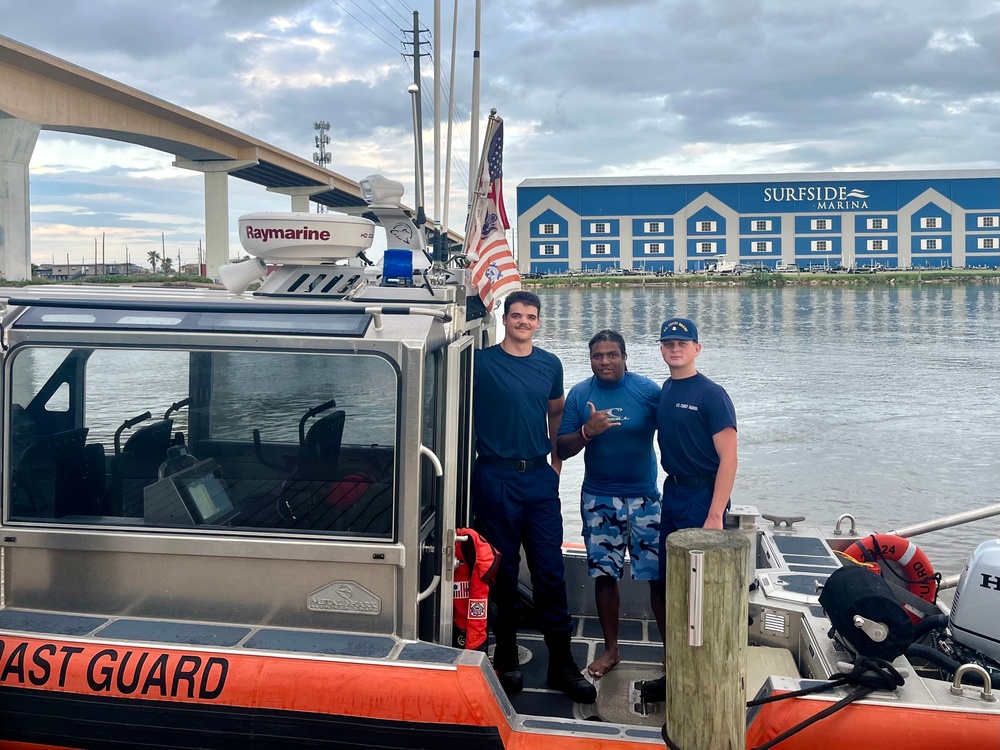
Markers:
<point>321,157</point>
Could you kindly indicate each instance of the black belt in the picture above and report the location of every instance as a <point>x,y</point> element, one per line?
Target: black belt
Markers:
<point>514,464</point>
<point>692,481</point>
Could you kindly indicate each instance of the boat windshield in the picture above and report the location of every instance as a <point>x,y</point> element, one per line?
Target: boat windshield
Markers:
<point>222,441</point>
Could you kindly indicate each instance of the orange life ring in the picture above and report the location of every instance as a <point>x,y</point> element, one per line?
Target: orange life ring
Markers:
<point>920,578</point>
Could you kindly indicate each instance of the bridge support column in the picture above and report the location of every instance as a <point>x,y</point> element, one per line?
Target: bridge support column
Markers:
<point>301,195</point>
<point>17,142</point>
<point>216,207</point>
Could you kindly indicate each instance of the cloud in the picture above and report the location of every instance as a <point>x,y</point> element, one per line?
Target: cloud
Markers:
<point>586,87</point>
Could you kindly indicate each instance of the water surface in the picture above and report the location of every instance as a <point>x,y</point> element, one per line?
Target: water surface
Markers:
<point>884,403</point>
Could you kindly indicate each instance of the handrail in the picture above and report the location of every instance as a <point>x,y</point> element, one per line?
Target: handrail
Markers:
<point>946,522</point>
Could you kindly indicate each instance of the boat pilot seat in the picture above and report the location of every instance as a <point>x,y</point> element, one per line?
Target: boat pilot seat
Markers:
<point>320,451</point>
<point>137,464</point>
<point>59,475</point>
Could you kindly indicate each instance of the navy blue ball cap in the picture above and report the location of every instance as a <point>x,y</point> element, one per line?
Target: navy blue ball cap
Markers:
<point>679,329</point>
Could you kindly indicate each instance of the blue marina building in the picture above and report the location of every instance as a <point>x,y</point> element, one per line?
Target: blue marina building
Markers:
<point>929,219</point>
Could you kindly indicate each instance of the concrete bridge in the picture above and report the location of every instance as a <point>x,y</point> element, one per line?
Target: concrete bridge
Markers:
<point>41,92</point>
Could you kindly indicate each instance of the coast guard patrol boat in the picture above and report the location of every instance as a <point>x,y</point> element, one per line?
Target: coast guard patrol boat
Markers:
<point>257,548</point>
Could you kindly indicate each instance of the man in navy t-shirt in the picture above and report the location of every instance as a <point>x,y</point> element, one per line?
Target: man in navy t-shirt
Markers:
<point>517,406</point>
<point>696,432</point>
<point>611,417</point>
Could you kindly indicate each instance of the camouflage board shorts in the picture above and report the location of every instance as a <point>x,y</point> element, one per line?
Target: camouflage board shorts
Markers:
<point>611,523</point>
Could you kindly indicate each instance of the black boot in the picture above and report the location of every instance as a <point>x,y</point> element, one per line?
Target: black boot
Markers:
<point>563,673</point>
<point>507,664</point>
<point>654,691</point>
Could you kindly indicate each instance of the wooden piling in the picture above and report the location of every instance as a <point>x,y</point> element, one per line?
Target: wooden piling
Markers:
<point>706,694</point>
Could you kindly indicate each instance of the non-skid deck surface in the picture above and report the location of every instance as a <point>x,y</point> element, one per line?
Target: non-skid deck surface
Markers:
<point>618,698</point>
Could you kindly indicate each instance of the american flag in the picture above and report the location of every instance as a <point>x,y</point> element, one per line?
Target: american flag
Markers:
<point>494,271</point>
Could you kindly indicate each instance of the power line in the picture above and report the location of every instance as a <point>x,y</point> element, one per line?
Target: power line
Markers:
<point>375,20</point>
<point>409,11</point>
<point>382,11</point>
<point>374,33</point>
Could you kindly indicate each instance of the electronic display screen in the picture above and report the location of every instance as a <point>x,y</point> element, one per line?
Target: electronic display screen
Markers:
<point>209,501</point>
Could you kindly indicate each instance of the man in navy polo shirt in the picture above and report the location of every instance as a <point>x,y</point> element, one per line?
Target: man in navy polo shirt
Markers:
<point>696,432</point>
<point>611,417</point>
<point>518,403</point>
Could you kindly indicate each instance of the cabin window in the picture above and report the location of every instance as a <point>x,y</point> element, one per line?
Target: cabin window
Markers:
<point>654,248</point>
<point>601,249</point>
<point>820,224</point>
<point>820,246</point>
<point>600,227</point>
<point>762,225</point>
<point>876,244</point>
<point>761,247</point>
<point>930,245</point>
<point>550,228</point>
<point>987,222</point>
<point>548,249</point>
<point>930,222</point>
<point>876,223</point>
<point>207,441</point>
<point>986,243</point>
<point>653,227</point>
<point>706,226</point>
<point>706,247</point>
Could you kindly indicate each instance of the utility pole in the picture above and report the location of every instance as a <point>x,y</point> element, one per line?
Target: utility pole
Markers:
<point>321,157</point>
<point>418,121</point>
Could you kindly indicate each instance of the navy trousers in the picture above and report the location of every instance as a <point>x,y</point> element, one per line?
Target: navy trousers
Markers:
<point>521,509</point>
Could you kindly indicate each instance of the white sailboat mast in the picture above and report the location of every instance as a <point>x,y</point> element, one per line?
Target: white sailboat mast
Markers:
<point>437,114</point>
<point>451,112</point>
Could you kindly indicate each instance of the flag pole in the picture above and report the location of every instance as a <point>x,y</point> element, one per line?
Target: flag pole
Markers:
<point>477,186</point>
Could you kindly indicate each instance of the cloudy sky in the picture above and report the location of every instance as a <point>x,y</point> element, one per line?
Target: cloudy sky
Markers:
<point>586,87</point>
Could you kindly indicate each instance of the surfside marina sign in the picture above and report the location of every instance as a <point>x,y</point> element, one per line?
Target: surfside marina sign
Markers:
<point>837,198</point>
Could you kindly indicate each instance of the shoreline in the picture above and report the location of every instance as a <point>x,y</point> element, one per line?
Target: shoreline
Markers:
<point>763,279</point>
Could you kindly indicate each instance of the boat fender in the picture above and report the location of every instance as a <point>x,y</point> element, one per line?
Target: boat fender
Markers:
<point>920,578</point>
<point>476,565</point>
<point>853,595</point>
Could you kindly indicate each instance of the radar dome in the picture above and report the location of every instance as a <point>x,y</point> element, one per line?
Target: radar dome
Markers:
<point>294,237</point>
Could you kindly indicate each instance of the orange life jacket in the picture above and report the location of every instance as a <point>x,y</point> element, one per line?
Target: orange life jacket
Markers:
<point>477,569</point>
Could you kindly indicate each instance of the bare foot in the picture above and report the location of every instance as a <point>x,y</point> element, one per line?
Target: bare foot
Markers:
<point>600,666</point>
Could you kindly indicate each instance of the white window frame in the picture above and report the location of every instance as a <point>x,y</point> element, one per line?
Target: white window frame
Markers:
<point>550,228</point>
<point>876,223</point>
<point>987,222</point>
<point>760,225</point>
<point>820,225</point>
<point>549,250</point>
<point>931,243</point>
<point>876,245</point>
<point>600,227</point>
<point>931,222</point>
<point>760,247</point>
<point>820,246</point>
<point>987,243</point>
<point>652,227</point>
<point>654,248</point>
<point>706,227</point>
<point>705,248</point>
<point>601,248</point>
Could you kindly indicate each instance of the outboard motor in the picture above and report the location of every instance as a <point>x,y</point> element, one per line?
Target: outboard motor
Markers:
<point>973,618</point>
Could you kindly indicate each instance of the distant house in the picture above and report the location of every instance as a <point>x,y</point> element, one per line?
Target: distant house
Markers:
<point>193,269</point>
<point>52,272</point>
